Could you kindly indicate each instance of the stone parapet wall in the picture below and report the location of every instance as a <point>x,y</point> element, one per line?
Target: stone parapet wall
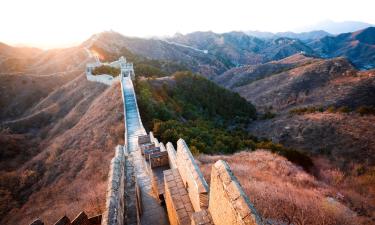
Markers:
<point>192,177</point>
<point>104,78</point>
<point>228,202</point>
<point>172,156</point>
<point>158,159</point>
<point>154,140</point>
<point>114,208</point>
<point>162,147</point>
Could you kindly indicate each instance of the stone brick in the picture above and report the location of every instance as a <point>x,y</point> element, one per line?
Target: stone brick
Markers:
<point>143,139</point>
<point>201,218</point>
<point>192,177</point>
<point>176,199</point>
<point>228,204</point>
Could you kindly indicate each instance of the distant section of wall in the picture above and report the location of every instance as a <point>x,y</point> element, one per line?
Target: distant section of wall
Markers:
<point>192,177</point>
<point>103,78</point>
<point>114,210</point>
<point>228,202</point>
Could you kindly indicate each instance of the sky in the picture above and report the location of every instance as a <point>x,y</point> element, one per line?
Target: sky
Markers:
<point>62,23</point>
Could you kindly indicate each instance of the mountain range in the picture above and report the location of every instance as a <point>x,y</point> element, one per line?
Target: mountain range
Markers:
<point>313,93</point>
<point>336,27</point>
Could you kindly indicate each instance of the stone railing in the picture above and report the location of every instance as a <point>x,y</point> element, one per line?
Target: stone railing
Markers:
<point>228,204</point>
<point>114,208</point>
<point>103,78</point>
<point>192,177</point>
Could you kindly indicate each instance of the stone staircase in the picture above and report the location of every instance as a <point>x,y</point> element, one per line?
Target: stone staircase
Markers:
<point>152,212</point>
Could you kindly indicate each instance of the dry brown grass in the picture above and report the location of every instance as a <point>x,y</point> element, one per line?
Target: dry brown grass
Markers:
<point>69,173</point>
<point>282,192</point>
<point>355,184</point>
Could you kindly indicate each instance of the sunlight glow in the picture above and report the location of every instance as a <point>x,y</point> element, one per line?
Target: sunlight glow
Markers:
<point>58,23</point>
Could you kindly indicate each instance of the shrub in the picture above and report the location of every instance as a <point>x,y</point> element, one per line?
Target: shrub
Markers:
<point>209,118</point>
<point>292,155</point>
<point>343,109</point>
<point>305,110</point>
<point>331,109</point>
<point>366,110</point>
<point>268,115</point>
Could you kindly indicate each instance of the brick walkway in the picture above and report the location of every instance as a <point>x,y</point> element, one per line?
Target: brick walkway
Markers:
<point>153,212</point>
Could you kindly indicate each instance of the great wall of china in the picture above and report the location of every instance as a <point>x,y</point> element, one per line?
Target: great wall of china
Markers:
<point>150,183</point>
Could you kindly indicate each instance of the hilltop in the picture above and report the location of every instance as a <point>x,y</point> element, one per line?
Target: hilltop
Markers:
<point>357,46</point>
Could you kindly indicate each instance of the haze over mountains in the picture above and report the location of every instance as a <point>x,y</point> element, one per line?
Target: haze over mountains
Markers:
<point>308,90</point>
<point>336,27</point>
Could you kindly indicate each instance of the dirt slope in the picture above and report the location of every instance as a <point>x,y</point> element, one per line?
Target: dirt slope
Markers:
<point>74,131</point>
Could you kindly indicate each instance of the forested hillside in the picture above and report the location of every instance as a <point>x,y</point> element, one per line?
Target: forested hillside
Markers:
<point>211,119</point>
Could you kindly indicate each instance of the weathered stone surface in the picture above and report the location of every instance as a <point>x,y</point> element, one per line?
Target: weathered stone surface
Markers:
<point>148,152</point>
<point>114,211</point>
<point>157,159</point>
<point>143,139</point>
<point>201,218</point>
<point>146,147</point>
<point>192,177</point>
<point>172,155</point>
<point>228,203</point>
<point>178,203</point>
